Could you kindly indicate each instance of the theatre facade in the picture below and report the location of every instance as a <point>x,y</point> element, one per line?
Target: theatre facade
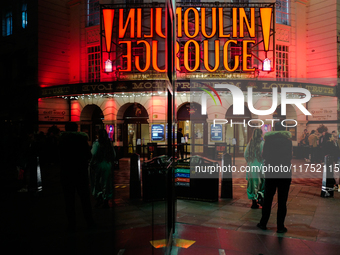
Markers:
<point>112,73</point>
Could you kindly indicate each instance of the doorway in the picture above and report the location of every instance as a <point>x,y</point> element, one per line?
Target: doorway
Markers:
<point>91,120</point>
<point>194,128</point>
<point>238,135</point>
<point>135,129</point>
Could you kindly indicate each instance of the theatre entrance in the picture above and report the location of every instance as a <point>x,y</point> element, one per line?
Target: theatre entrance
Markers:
<point>194,128</point>
<point>91,120</point>
<point>238,135</point>
<point>135,129</point>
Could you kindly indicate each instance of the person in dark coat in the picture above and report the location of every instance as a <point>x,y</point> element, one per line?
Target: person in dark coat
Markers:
<point>277,152</point>
<point>75,155</point>
<point>180,146</point>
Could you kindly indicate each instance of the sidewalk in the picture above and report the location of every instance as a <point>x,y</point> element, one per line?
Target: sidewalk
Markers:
<point>36,224</point>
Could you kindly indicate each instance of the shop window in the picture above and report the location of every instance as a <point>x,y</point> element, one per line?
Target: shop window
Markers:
<point>93,56</point>
<point>282,12</point>
<point>24,15</point>
<point>282,61</point>
<point>93,13</point>
<point>7,23</point>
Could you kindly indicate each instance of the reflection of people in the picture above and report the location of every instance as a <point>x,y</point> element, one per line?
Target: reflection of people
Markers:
<point>74,157</point>
<point>180,146</point>
<point>277,151</point>
<point>103,156</point>
<point>253,156</point>
<point>313,143</point>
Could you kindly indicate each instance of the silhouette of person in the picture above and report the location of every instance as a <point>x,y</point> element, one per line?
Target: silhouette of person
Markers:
<point>75,154</point>
<point>180,146</point>
<point>277,152</point>
<point>103,156</point>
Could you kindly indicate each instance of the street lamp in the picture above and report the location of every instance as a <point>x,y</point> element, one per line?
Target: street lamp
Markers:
<point>108,66</point>
<point>266,65</point>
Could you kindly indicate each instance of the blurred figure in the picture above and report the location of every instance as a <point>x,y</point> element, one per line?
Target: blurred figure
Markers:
<point>277,151</point>
<point>313,144</point>
<point>74,158</point>
<point>180,146</point>
<point>255,178</point>
<point>103,156</point>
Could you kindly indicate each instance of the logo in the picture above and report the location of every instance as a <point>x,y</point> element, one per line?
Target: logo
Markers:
<point>204,98</point>
<point>238,100</point>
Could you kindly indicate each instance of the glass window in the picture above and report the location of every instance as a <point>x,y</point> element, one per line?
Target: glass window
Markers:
<point>93,61</point>
<point>93,12</point>
<point>282,61</point>
<point>282,12</point>
<point>7,23</point>
<point>24,15</point>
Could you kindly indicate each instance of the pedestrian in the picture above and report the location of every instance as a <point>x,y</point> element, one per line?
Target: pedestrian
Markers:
<point>255,177</point>
<point>74,155</point>
<point>313,144</point>
<point>102,162</point>
<point>277,152</point>
<point>180,146</point>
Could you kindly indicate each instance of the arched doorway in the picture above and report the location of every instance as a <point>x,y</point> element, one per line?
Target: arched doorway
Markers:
<point>238,134</point>
<point>194,126</point>
<point>135,130</point>
<point>91,120</point>
<point>290,115</point>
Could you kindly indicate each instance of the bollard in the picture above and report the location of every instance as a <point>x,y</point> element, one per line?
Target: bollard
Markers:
<point>328,181</point>
<point>135,181</point>
<point>227,181</point>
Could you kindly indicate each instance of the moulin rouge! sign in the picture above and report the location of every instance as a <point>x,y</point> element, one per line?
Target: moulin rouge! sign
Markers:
<point>204,31</point>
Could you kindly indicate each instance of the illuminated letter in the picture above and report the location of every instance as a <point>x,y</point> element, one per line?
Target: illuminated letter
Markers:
<point>176,57</point>
<point>154,57</point>
<point>261,112</point>
<point>127,56</point>
<point>243,17</point>
<point>225,57</point>
<point>139,22</point>
<point>238,98</point>
<point>147,56</point>
<point>186,55</point>
<point>108,15</point>
<point>186,22</point>
<point>221,23</point>
<point>246,55</point>
<point>130,18</point>
<point>297,101</point>
<point>235,25</point>
<point>266,15</point>
<point>213,21</point>
<point>206,55</point>
<point>151,25</point>
<point>159,22</point>
<point>179,22</point>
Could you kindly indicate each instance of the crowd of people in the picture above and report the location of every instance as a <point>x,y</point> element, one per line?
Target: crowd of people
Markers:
<point>318,143</point>
<point>84,169</point>
<point>276,149</point>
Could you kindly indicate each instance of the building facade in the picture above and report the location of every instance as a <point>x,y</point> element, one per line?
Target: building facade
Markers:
<point>62,47</point>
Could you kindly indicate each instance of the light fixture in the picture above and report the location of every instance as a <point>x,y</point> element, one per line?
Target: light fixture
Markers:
<point>266,65</point>
<point>108,66</point>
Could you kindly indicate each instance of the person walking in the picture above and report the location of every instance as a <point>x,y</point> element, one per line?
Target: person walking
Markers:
<point>277,152</point>
<point>74,157</point>
<point>103,156</point>
<point>255,177</point>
